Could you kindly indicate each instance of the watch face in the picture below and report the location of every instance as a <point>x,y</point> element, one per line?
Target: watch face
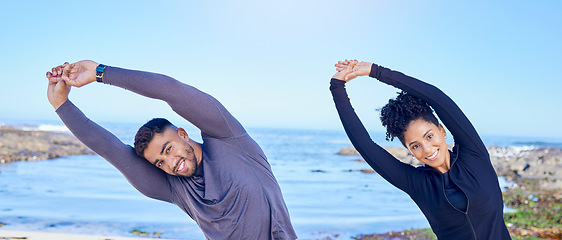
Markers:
<point>100,68</point>
<point>99,72</point>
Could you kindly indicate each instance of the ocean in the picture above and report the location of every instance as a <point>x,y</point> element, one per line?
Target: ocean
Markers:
<point>326,193</point>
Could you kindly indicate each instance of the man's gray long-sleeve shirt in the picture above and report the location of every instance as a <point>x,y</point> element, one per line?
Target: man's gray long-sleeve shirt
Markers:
<point>232,195</point>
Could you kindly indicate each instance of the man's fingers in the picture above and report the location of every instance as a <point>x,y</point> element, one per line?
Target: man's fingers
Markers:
<point>62,83</point>
<point>52,78</point>
<point>66,71</point>
<point>72,68</point>
<point>64,67</point>
<point>59,70</point>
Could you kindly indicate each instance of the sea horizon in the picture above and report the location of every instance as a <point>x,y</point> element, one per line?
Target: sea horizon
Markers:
<point>499,140</point>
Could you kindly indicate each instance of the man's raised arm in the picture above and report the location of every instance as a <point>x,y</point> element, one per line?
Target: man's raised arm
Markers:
<point>199,108</point>
<point>146,178</point>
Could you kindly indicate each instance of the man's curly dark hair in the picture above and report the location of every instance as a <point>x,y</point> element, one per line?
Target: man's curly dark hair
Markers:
<point>399,112</point>
<point>147,131</point>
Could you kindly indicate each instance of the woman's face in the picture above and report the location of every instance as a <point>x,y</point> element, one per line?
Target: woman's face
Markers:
<point>426,142</point>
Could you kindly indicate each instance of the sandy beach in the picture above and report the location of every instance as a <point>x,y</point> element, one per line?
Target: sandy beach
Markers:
<point>29,235</point>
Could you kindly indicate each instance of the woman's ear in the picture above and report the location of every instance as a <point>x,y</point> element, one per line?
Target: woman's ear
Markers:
<point>183,134</point>
<point>411,153</point>
<point>442,130</point>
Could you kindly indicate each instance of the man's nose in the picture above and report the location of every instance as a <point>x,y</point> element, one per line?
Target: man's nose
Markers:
<point>171,162</point>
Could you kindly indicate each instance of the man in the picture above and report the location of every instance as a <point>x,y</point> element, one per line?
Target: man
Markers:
<point>224,183</point>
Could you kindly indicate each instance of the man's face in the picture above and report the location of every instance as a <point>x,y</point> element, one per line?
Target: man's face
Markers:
<point>172,152</point>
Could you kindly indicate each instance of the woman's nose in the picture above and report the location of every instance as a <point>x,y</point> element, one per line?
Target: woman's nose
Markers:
<point>427,149</point>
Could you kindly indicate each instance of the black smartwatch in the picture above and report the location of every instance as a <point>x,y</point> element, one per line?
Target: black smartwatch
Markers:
<point>99,72</point>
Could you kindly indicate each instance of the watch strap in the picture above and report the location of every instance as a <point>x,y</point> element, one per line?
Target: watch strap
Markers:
<point>99,72</point>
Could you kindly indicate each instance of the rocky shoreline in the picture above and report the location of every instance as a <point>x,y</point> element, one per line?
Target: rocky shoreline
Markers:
<point>537,168</point>
<point>535,195</point>
<point>22,145</point>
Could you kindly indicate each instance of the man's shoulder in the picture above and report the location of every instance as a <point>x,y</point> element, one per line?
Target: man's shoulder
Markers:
<point>240,139</point>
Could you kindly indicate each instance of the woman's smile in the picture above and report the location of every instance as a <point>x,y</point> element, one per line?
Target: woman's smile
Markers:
<point>433,156</point>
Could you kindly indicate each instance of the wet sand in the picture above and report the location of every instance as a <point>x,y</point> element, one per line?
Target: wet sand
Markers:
<point>29,235</point>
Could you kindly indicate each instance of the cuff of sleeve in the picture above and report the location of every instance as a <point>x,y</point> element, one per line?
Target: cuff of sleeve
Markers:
<point>62,107</point>
<point>107,75</point>
<point>336,81</point>
<point>374,71</point>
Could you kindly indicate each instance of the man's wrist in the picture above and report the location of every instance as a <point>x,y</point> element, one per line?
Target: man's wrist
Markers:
<point>100,69</point>
<point>58,103</point>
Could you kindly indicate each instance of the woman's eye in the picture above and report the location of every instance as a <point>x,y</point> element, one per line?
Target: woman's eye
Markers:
<point>159,164</point>
<point>168,149</point>
<point>415,146</point>
<point>430,136</point>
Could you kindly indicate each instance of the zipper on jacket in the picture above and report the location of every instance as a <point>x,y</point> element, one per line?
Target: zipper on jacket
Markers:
<point>470,223</point>
<point>467,205</point>
<point>463,192</point>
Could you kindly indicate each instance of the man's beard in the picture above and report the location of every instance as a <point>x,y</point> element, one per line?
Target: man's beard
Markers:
<point>190,162</point>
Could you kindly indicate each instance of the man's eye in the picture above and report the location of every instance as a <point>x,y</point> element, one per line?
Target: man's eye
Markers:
<point>430,136</point>
<point>159,164</point>
<point>168,149</point>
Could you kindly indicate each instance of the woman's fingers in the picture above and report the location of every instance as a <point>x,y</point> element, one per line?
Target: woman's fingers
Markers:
<point>352,74</point>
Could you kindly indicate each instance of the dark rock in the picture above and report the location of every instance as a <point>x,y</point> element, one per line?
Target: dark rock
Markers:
<point>367,170</point>
<point>541,165</point>
<point>348,151</point>
<point>20,145</point>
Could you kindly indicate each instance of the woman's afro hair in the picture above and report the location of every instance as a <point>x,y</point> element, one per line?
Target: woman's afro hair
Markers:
<point>399,112</point>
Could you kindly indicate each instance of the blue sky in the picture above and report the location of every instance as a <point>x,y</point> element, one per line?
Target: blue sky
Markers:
<point>270,62</point>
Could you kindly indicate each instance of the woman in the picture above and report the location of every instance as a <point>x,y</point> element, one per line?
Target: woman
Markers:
<point>458,190</point>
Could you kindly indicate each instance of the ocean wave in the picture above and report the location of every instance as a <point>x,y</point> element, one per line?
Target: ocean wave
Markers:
<point>52,128</point>
<point>34,125</point>
<point>40,127</point>
<point>537,144</point>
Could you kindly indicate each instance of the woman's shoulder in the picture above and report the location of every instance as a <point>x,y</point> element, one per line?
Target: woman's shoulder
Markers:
<point>461,149</point>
